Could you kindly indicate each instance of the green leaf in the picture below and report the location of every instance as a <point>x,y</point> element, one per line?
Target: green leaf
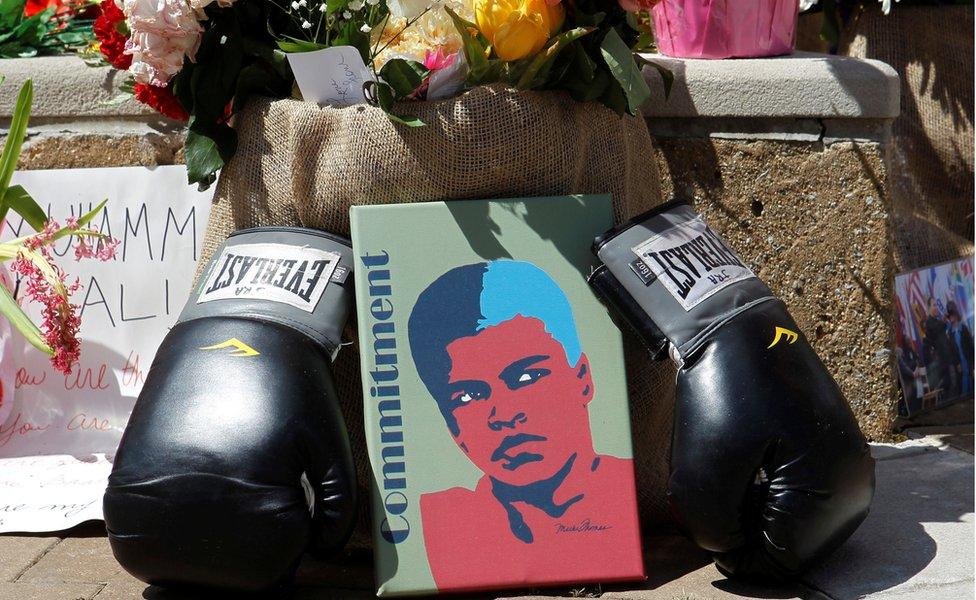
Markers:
<point>667,77</point>
<point>408,121</point>
<point>624,69</point>
<point>15,139</point>
<point>384,96</point>
<point>203,156</point>
<point>334,6</point>
<point>11,13</point>
<point>295,45</point>
<point>538,69</point>
<point>87,217</point>
<point>259,78</point>
<point>830,23</point>
<point>475,48</point>
<point>21,322</point>
<point>17,198</point>
<point>385,100</point>
<point>583,80</point>
<point>404,76</point>
<point>613,97</point>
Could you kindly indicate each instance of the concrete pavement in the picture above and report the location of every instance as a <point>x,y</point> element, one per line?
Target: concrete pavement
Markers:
<point>917,543</point>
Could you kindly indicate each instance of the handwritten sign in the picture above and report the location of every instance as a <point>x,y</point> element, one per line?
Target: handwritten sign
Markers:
<point>331,76</point>
<point>57,442</point>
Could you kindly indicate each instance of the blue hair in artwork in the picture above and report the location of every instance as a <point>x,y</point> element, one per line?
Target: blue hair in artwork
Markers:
<point>470,298</point>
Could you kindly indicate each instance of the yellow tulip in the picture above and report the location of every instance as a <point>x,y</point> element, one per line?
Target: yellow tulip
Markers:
<point>518,28</point>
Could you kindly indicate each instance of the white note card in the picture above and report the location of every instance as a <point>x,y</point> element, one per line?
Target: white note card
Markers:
<point>331,76</point>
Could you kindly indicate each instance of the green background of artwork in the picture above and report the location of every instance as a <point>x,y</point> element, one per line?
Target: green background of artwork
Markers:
<point>426,240</point>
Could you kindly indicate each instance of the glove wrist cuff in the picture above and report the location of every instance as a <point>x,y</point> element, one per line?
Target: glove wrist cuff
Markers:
<point>671,268</point>
<point>628,312</point>
<point>297,278</point>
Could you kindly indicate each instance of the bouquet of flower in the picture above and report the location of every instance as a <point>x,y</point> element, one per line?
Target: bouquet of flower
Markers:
<point>39,27</point>
<point>42,280</point>
<point>199,60</point>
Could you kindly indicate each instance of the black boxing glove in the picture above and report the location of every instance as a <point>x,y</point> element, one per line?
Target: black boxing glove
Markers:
<point>235,459</point>
<point>769,471</point>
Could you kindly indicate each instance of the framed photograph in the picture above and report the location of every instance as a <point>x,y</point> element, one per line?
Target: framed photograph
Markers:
<point>934,335</point>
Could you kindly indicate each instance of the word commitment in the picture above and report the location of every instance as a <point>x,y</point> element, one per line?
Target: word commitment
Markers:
<point>386,392</point>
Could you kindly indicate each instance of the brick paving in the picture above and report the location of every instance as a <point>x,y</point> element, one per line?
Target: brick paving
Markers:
<point>938,533</point>
<point>79,566</point>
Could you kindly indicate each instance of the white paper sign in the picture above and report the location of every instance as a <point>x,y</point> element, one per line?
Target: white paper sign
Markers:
<point>331,76</point>
<point>57,442</point>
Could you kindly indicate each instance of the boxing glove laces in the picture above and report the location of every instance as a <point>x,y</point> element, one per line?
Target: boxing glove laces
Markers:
<point>769,471</point>
<point>235,459</point>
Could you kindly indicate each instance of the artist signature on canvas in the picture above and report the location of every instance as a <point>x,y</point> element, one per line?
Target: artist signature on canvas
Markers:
<point>584,526</point>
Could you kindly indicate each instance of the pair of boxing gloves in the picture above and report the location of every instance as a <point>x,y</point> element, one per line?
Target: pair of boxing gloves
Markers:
<point>236,460</point>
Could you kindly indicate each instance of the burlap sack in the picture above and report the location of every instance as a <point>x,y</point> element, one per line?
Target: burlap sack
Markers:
<point>298,164</point>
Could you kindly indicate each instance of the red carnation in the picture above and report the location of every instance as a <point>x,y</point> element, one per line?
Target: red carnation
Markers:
<point>32,7</point>
<point>161,99</point>
<point>112,32</point>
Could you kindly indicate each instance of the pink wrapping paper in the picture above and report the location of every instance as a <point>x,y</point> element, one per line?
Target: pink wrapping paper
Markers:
<point>725,28</point>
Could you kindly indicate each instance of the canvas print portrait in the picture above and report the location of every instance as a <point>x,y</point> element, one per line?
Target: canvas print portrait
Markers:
<point>512,411</point>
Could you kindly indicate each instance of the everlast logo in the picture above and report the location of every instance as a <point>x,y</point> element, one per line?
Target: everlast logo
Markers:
<point>276,272</point>
<point>281,273</point>
<point>691,261</point>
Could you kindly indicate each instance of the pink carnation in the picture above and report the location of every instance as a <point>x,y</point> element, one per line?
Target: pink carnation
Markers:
<point>163,33</point>
<point>438,59</point>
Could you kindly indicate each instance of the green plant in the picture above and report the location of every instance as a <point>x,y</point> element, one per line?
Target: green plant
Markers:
<point>30,248</point>
<point>47,32</point>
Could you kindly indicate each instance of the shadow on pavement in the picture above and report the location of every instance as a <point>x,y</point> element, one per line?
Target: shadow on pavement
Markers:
<point>919,533</point>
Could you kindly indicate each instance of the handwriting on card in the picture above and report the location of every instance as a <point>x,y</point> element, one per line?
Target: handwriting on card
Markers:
<point>331,76</point>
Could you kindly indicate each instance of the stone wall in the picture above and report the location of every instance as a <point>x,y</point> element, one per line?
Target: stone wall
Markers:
<point>787,158</point>
<point>80,119</point>
<point>784,157</point>
<point>813,220</point>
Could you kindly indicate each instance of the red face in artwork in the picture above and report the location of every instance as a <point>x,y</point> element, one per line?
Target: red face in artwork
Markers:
<point>520,406</point>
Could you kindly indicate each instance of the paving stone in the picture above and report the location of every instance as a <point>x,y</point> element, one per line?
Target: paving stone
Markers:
<point>959,437</point>
<point>918,539</point>
<point>18,553</point>
<point>75,560</point>
<point>706,583</point>
<point>352,571</point>
<point>319,593</point>
<point>48,591</point>
<point>123,586</point>
<point>677,569</point>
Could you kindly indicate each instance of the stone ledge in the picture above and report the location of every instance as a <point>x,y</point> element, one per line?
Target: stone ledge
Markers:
<point>65,88</point>
<point>804,85</point>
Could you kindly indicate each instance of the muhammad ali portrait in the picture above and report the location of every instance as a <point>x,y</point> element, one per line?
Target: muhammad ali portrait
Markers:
<point>497,348</point>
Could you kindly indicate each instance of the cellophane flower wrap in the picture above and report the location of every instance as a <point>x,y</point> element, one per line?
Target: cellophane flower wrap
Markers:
<point>725,28</point>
